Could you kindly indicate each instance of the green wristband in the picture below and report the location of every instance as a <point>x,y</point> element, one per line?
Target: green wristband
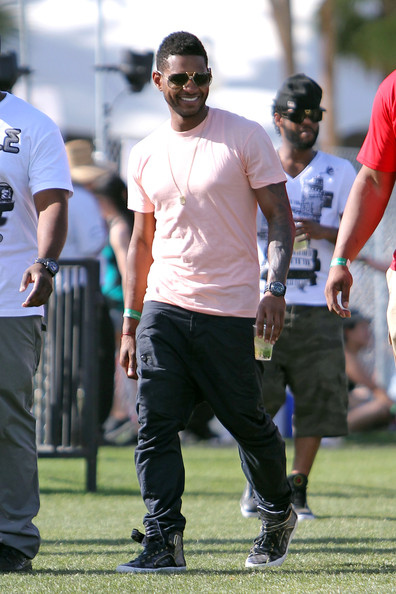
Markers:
<point>339,262</point>
<point>132,313</point>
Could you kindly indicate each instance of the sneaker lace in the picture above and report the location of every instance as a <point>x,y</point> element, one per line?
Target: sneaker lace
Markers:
<point>269,533</point>
<point>153,541</point>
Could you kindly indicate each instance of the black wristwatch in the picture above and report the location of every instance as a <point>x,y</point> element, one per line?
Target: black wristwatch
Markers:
<point>277,289</point>
<point>51,265</point>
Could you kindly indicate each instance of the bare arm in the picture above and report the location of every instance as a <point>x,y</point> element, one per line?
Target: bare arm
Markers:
<point>274,204</point>
<point>119,239</point>
<point>365,207</point>
<point>51,206</point>
<point>139,260</point>
<point>358,374</point>
<point>373,263</point>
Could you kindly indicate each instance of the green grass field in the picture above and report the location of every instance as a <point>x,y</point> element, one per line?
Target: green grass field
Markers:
<point>351,547</point>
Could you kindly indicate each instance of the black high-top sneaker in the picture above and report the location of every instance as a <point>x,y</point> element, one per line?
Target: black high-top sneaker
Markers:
<point>248,503</point>
<point>162,552</point>
<point>298,484</point>
<point>12,560</point>
<point>271,546</point>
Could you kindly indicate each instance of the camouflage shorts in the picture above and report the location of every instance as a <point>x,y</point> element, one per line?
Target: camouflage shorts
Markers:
<point>309,358</point>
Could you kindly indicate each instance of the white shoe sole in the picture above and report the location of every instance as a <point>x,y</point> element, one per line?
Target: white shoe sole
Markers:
<point>248,514</point>
<point>128,569</point>
<point>302,517</point>
<point>275,563</point>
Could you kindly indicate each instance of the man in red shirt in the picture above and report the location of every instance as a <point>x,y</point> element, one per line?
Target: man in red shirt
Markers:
<point>366,204</point>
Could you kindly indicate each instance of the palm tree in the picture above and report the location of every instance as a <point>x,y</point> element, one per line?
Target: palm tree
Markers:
<point>367,30</point>
<point>327,27</point>
<point>281,11</point>
<point>8,20</point>
<point>361,28</point>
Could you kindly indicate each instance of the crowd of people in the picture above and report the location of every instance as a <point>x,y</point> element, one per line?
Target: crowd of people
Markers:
<point>218,233</point>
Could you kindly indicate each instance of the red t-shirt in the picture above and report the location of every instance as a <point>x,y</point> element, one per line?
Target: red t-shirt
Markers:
<point>379,148</point>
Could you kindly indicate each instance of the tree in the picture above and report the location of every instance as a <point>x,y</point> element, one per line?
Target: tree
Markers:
<point>281,11</point>
<point>366,29</point>
<point>7,21</point>
<point>327,29</point>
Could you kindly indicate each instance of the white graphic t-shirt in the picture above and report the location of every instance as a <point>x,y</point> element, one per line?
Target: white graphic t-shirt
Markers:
<point>32,159</point>
<point>318,193</point>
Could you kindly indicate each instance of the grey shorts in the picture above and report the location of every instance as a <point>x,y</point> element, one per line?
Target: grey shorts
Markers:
<point>20,345</point>
<point>309,358</point>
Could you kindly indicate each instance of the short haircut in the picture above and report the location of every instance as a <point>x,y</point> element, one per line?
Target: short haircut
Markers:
<point>180,43</point>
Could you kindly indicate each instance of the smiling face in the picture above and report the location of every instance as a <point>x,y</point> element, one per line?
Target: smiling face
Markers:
<point>187,104</point>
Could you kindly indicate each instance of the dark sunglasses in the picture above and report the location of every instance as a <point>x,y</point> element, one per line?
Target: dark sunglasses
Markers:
<point>297,116</point>
<point>176,81</point>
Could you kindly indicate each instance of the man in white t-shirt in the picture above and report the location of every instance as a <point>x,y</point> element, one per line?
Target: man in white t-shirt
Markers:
<point>309,357</point>
<point>192,298</point>
<point>35,186</point>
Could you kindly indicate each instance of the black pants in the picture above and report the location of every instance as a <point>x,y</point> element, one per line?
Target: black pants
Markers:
<point>184,357</point>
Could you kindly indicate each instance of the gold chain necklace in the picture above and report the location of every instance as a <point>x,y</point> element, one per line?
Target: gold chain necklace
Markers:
<point>182,197</point>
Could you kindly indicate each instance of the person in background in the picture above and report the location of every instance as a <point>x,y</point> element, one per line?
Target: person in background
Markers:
<point>120,427</point>
<point>370,407</point>
<point>366,204</point>
<point>34,190</point>
<point>309,355</point>
<point>88,235</point>
<point>192,298</point>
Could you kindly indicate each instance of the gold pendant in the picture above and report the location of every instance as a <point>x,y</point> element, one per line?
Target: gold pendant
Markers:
<point>182,200</point>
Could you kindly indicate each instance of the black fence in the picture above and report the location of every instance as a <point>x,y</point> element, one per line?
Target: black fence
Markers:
<point>66,382</point>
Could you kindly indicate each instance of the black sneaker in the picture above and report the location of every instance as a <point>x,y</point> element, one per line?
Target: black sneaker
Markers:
<point>162,552</point>
<point>298,484</point>
<point>248,503</point>
<point>271,546</point>
<point>13,560</point>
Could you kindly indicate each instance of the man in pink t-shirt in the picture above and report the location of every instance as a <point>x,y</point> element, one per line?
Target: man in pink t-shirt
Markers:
<point>192,298</point>
<point>367,202</point>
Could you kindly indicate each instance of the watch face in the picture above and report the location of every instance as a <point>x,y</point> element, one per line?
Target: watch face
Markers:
<point>277,289</point>
<point>52,266</point>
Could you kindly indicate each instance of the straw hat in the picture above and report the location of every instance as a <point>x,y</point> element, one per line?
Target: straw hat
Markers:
<point>83,168</point>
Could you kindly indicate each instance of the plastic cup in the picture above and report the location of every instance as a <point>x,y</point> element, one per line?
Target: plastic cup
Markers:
<point>300,242</point>
<point>262,348</point>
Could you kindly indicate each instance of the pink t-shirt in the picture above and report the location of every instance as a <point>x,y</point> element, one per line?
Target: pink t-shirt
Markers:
<point>205,251</point>
<point>379,148</point>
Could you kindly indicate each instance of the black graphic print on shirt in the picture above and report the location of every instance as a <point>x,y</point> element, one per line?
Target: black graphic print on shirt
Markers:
<point>8,145</point>
<point>305,262</point>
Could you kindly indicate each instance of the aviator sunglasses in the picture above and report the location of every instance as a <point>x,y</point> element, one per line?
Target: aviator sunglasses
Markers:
<point>201,79</point>
<point>297,116</point>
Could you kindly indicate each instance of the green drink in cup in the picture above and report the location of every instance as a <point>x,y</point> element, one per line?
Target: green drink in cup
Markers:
<point>262,348</point>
